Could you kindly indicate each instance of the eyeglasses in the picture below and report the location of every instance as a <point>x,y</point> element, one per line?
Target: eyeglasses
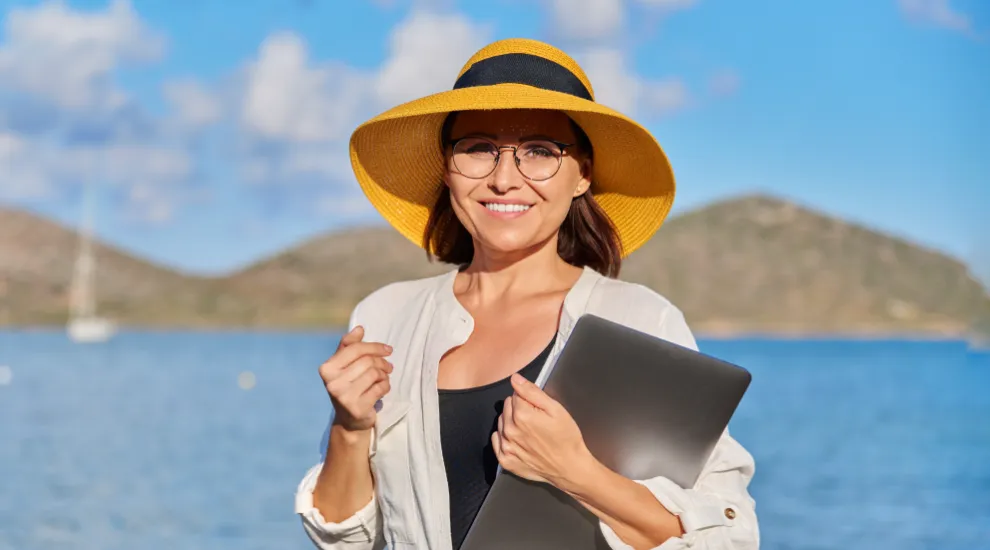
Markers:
<point>537,160</point>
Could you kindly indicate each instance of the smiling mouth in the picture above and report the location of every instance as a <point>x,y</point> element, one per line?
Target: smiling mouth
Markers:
<point>499,207</point>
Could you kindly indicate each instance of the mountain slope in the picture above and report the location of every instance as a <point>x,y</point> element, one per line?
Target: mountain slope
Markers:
<point>36,262</point>
<point>761,264</point>
<point>320,281</point>
<point>752,264</point>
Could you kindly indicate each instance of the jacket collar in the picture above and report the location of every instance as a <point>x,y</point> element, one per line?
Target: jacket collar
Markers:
<point>575,302</point>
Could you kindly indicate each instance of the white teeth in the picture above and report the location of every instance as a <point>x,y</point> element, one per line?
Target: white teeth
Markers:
<point>495,207</point>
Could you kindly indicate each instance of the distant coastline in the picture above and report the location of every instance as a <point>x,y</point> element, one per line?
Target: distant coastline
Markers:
<point>746,267</point>
<point>723,335</point>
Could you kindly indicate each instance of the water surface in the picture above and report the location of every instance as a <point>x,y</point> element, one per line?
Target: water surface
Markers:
<point>149,441</point>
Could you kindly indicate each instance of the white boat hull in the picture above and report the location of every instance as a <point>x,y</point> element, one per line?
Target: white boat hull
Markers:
<point>91,330</point>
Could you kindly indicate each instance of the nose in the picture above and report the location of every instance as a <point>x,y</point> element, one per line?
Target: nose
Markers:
<point>506,175</point>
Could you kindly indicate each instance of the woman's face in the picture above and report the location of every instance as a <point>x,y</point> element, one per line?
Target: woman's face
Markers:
<point>506,210</point>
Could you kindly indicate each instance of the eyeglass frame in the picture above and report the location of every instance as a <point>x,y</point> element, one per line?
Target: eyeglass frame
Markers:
<point>514,148</point>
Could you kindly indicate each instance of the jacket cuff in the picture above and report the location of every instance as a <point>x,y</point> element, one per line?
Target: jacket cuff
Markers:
<point>696,512</point>
<point>363,525</point>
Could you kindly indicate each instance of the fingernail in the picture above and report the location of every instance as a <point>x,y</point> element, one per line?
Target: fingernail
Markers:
<point>388,348</point>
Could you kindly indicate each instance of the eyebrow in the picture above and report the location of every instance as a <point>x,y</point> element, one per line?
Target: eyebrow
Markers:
<point>493,137</point>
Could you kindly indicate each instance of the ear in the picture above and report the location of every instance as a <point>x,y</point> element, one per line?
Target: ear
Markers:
<point>585,182</point>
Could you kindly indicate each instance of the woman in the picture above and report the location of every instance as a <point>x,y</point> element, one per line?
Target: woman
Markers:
<point>536,192</point>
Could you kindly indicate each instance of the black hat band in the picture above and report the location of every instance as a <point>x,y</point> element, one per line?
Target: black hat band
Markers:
<point>523,68</point>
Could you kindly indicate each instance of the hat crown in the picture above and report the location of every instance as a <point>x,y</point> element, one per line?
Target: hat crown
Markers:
<point>530,47</point>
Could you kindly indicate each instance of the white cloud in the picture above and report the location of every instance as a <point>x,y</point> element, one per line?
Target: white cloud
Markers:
<point>292,113</point>
<point>724,83</point>
<point>20,178</point>
<point>663,97</point>
<point>599,24</point>
<point>153,206</point>
<point>316,163</point>
<point>936,12</point>
<point>60,63</point>
<point>287,98</point>
<point>345,208</point>
<point>67,56</point>
<point>300,111</point>
<point>615,86</point>
<point>669,5</point>
<point>332,165</point>
<point>194,104</point>
<point>602,19</point>
<point>619,88</point>
<point>425,54</point>
<point>588,19</point>
<point>434,5</point>
<point>32,170</point>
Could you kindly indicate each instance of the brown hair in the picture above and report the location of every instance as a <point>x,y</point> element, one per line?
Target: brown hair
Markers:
<point>587,236</point>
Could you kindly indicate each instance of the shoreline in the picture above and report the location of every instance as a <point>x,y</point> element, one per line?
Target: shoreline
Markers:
<point>699,334</point>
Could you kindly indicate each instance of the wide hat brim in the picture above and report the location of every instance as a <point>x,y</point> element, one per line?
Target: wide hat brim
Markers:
<point>399,162</point>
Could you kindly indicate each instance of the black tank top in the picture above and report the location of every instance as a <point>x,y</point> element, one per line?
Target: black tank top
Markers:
<point>468,417</point>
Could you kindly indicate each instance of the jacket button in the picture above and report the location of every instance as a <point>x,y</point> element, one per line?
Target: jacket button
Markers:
<point>730,513</point>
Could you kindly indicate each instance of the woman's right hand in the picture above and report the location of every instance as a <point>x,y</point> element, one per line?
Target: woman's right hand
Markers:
<point>356,377</point>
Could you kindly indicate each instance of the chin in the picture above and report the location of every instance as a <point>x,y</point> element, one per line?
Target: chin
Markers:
<point>506,242</point>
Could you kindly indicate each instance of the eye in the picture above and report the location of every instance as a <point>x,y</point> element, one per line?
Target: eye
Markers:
<point>474,147</point>
<point>480,148</point>
<point>540,150</point>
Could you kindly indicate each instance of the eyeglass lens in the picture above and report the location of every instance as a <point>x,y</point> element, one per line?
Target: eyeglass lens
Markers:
<point>477,157</point>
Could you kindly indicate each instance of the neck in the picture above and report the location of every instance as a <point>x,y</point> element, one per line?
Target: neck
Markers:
<point>493,275</point>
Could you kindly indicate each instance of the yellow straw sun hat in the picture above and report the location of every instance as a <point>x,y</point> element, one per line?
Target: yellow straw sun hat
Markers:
<point>399,162</point>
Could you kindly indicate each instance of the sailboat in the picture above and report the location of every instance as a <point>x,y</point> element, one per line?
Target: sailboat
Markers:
<point>84,325</point>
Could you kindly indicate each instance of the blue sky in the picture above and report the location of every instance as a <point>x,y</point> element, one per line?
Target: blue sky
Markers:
<point>217,134</point>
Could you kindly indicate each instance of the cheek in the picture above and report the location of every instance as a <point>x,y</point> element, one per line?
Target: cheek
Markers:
<point>557,198</point>
<point>460,189</point>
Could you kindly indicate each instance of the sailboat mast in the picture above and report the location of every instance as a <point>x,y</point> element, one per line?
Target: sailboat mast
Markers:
<point>82,300</point>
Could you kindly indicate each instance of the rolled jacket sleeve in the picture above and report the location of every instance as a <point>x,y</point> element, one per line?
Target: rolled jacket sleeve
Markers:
<point>717,513</point>
<point>361,531</point>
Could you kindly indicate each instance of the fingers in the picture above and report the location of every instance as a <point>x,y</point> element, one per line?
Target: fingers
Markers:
<point>357,377</point>
<point>355,395</point>
<point>349,354</point>
<point>507,428</point>
<point>375,392</point>
<point>533,394</point>
<point>357,368</point>
<point>502,447</point>
<point>363,382</point>
<point>352,352</point>
<point>497,447</point>
<point>352,337</point>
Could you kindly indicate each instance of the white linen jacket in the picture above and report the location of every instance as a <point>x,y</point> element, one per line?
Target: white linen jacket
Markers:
<point>422,320</point>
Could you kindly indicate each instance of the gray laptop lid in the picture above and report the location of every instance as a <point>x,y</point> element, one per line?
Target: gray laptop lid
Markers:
<point>645,406</point>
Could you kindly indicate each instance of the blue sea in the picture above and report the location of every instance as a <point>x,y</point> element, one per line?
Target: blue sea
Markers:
<point>197,441</point>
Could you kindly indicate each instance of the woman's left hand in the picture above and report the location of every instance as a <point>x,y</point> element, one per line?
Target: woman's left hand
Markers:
<point>537,438</point>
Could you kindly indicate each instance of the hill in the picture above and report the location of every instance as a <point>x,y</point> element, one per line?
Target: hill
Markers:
<point>36,261</point>
<point>748,265</point>
<point>758,264</point>
<point>320,281</point>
